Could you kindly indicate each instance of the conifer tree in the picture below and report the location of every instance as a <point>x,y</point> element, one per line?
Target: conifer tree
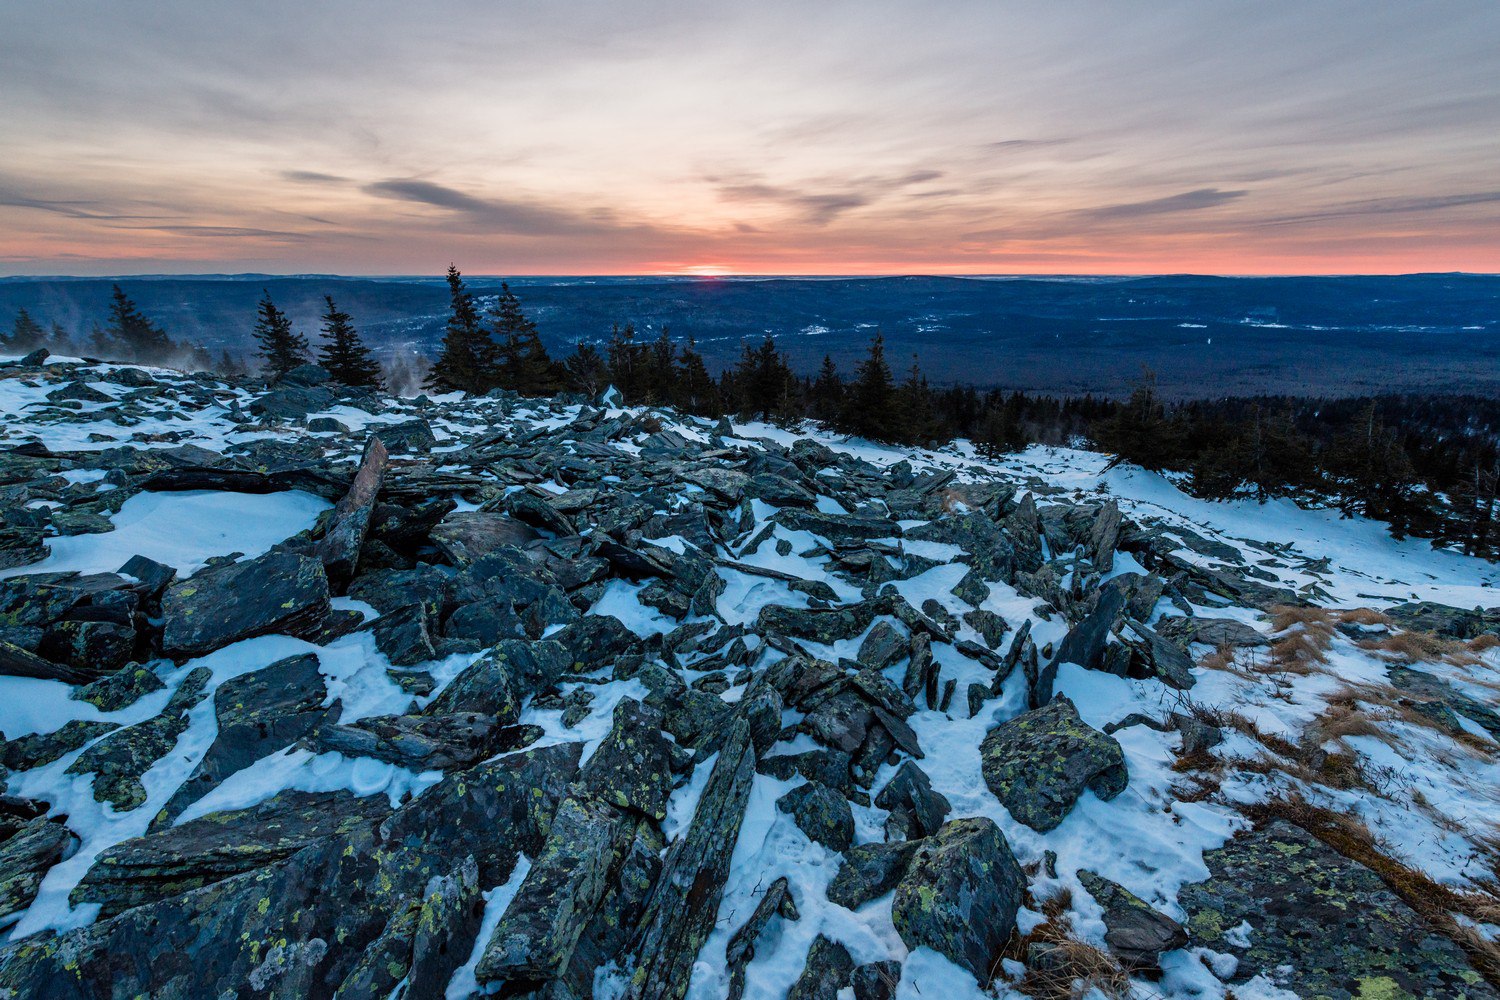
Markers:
<point>522,361</point>
<point>695,390</point>
<point>130,335</point>
<point>25,333</point>
<point>826,395</point>
<point>870,400</point>
<point>762,380</point>
<point>281,348</point>
<point>661,369</point>
<point>468,360</point>
<point>914,404</point>
<point>586,371</point>
<point>343,354</point>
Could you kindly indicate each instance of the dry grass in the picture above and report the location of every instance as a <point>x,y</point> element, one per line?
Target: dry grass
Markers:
<point>1433,901</point>
<point>1392,704</point>
<point>1073,967</point>
<point>1421,647</point>
<point>1363,616</point>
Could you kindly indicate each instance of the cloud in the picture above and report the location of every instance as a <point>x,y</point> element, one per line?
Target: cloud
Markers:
<point>1187,201</point>
<point>820,209</point>
<point>494,214</point>
<point>1393,206</point>
<point>312,177</point>
<point>11,198</point>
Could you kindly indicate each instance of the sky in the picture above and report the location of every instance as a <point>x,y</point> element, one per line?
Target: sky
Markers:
<point>1060,137</point>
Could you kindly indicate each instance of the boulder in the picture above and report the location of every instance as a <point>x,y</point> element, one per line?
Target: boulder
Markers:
<point>1135,932</point>
<point>277,592</point>
<point>1319,924</point>
<point>1039,763</point>
<point>821,813</point>
<point>960,895</point>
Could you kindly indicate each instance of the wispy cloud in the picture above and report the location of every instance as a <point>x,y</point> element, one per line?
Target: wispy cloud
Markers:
<point>1187,201</point>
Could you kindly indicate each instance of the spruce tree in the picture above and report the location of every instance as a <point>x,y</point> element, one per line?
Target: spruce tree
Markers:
<point>585,370</point>
<point>468,360</point>
<point>343,354</point>
<point>762,380</point>
<point>827,391</point>
<point>870,401</point>
<point>695,389</point>
<point>522,361</point>
<point>25,334</point>
<point>130,335</point>
<point>914,406</point>
<point>281,347</point>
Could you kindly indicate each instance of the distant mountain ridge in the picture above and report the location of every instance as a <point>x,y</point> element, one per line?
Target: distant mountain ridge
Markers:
<point>1204,335</point>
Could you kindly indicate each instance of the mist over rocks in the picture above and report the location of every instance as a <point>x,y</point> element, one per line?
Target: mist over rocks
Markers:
<point>551,696</point>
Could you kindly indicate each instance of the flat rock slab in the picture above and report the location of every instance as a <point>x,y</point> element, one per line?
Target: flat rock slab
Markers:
<point>277,592</point>
<point>1320,925</point>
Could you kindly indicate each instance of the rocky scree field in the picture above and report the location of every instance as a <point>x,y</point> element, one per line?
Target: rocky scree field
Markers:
<point>314,693</point>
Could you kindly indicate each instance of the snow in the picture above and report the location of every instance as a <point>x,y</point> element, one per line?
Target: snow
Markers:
<point>1429,798</point>
<point>183,530</point>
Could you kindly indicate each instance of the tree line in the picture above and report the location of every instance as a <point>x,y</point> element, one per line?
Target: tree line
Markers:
<point>1425,465</point>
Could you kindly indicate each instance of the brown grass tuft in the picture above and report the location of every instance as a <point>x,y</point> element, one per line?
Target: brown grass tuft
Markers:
<point>1421,647</point>
<point>1363,616</point>
<point>1068,968</point>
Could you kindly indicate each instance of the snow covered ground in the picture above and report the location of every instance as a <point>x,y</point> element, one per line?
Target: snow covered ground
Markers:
<point>1429,798</point>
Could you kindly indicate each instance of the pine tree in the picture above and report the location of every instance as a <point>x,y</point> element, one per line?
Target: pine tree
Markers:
<point>343,354</point>
<point>1140,430</point>
<point>130,335</point>
<point>763,380</point>
<point>826,394</point>
<point>231,366</point>
<point>695,390</point>
<point>585,370</point>
<point>914,404</point>
<point>661,372</point>
<point>468,360</point>
<point>281,347</point>
<point>870,400</point>
<point>25,334</point>
<point>522,361</point>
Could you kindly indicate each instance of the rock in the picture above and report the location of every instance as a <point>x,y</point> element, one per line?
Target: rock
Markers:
<point>497,682</point>
<point>292,402</point>
<point>631,769</point>
<point>870,871</point>
<point>345,536</point>
<point>326,425</point>
<point>27,752</point>
<point>1104,537</point>
<point>1039,763</point>
<point>821,813</point>
<point>883,646</point>
<point>776,901</point>
<point>531,509</point>
<point>1320,925</point>
<point>257,713</point>
<point>119,690</point>
<point>825,626</point>
<point>407,436</point>
<point>1445,621</point>
<point>118,761</point>
<point>305,375</point>
<point>960,895</point>
<point>220,845</point>
<point>1156,656</point>
<point>535,938</point>
<point>916,810</point>
<point>684,905</point>
<point>1085,643</point>
<point>301,926</point>
<point>25,857</point>
<point>88,645</point>
<point>447,924</point>
<point>467,536</point>
<point>1135,932</point>
<point>827,971</point>
<point>876,981</point>
<point>405,635</point>
<point>277,592</point>
<point>18,662</point>
<point>425,742</point>
<point>990,626</point>
<point>1211,631</point>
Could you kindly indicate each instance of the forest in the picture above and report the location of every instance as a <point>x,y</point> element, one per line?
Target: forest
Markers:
<point>1426,465</point>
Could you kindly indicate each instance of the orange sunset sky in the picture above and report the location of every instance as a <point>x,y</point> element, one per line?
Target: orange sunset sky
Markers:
<point>829,138</point>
